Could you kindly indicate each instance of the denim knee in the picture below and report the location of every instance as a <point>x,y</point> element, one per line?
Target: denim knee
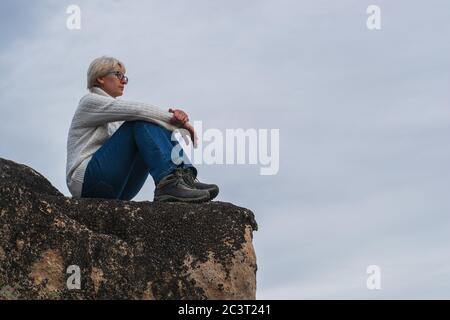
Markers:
<point>152,126</point>
<point>142,123</point>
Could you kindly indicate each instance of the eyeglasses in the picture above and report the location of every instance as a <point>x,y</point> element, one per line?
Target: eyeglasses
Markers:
<point>119,76</point>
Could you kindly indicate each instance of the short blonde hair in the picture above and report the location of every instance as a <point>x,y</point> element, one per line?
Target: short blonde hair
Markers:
<point>99,67</point>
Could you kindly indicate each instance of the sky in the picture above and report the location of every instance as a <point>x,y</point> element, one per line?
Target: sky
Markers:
<point>363,117</point>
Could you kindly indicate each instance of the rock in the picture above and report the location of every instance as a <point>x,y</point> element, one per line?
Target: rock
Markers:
<point>119,249</point>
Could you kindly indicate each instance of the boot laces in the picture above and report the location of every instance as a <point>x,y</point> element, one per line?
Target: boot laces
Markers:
<point>180,176</point>
<point>190,178</point>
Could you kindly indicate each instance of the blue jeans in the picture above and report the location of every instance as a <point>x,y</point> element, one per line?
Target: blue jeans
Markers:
<point>120,167</point>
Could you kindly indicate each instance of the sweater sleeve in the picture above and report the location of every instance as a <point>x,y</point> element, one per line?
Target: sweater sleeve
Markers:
<point>95,110</point>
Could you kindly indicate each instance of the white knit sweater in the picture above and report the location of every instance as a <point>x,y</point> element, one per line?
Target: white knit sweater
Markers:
<point>97,117</point>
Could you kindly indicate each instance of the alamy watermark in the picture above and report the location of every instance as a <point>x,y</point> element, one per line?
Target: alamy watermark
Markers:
<point>374,280</point>
<point>234,146</point>
<point>374,20</point>
<point>73,21</point>
<point>74,280</point>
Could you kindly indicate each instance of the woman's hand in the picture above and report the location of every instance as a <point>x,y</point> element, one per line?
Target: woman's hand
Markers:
<point>179,117</point>
<point>187,126</point>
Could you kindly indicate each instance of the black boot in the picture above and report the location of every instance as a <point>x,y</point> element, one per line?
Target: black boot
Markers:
<point>173,188</point>
<point>192,181</point>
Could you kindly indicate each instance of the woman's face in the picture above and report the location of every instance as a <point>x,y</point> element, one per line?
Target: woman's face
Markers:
<point>114,82</point>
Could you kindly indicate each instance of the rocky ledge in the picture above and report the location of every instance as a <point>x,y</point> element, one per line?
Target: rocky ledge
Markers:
<point>57,247</point>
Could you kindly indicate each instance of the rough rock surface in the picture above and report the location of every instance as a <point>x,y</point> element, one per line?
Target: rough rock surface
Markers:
<point>124,249</point>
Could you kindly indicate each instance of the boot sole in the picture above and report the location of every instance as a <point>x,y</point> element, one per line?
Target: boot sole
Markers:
<point>168,198</point>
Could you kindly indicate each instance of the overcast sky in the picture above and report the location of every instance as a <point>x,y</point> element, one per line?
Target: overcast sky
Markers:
<point>363,117</point>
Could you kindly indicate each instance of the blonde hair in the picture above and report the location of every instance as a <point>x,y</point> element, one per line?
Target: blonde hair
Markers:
<point>99,67</point>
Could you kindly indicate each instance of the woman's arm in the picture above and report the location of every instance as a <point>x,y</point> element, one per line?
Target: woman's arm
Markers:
<point>95,110</point>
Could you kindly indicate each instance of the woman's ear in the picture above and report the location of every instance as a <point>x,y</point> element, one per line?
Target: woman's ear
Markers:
<point>100,80</point>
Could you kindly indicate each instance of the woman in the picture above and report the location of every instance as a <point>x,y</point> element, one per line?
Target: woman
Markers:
<point>114,144</point>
